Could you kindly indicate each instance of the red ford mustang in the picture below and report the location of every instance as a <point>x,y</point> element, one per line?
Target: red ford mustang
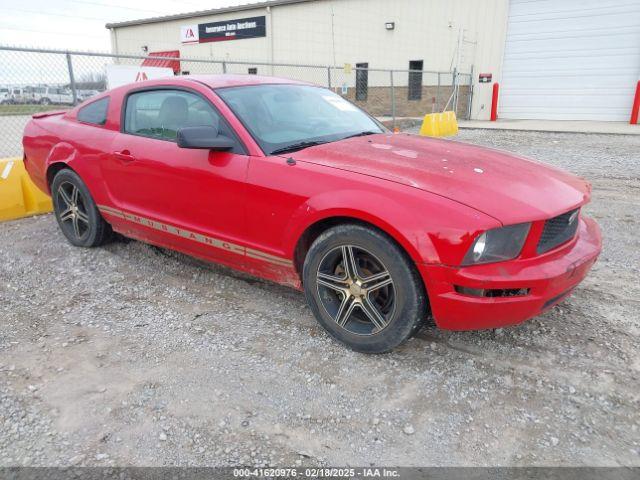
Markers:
<point>292,183</point>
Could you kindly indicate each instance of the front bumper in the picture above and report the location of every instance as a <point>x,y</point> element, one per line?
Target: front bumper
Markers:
<point>549,278</point>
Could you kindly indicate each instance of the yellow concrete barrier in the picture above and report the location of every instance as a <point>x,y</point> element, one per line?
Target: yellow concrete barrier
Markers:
<point>451,122</point>
<point>439,125</point>
<point>19,197</point>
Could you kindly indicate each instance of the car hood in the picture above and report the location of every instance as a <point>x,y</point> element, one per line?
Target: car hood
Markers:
<point>510,188</point>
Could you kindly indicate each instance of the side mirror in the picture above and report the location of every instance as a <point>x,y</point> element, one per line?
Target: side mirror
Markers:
<point>203,137</point>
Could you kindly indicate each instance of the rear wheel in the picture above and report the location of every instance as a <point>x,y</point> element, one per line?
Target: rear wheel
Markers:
<point>363,289</point>
<point>76,212</point>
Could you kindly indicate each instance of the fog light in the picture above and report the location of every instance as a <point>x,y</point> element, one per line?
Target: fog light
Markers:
<point>474,292</point>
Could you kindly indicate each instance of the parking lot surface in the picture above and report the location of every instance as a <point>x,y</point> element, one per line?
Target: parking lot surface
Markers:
<point>133,355</point>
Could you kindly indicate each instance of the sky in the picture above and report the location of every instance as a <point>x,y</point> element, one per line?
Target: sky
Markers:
<point>79,24</point>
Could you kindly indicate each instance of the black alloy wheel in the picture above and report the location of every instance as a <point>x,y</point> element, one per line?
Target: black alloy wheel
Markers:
<point>77,214</point>
<point>363,288</point>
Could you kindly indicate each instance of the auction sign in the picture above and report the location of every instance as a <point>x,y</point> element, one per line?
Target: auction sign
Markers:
<point>118,75</point>
<point>252,27</point>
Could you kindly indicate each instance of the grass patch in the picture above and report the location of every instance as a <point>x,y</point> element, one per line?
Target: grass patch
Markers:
<point>29,109</point>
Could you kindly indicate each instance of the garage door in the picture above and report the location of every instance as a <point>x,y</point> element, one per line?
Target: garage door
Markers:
<point>571,59</point>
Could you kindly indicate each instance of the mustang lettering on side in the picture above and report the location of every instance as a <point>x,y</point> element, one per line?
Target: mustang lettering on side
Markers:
<point>292,183</point>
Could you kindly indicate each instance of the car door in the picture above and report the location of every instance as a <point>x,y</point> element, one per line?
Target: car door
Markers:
<point>188,199</point>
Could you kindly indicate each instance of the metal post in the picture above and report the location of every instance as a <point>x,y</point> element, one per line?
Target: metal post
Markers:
<point>329,76</point>
<point>454,104</point>
<point>470,94</point>
<point>393,101</point>
<point>224,67</point>
<point>438,93</point>
<point>72,80</point>
<point>636,106</point>
<point>494,102</point>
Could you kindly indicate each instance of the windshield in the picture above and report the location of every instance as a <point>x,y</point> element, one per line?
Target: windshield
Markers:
<point>288,117</point>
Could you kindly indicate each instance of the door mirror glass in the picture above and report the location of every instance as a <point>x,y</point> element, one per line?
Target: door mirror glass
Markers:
<point>206,137</point>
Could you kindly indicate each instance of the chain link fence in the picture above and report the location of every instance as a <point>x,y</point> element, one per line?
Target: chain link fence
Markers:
<point>36,80</point>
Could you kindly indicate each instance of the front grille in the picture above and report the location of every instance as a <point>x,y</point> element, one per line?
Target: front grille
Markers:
<point>493,292</point>
<point>558,230</point>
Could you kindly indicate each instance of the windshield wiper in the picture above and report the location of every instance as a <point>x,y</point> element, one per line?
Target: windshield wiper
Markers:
<point>296,146</point>
<point>313,143</point>
<point>361,134</point>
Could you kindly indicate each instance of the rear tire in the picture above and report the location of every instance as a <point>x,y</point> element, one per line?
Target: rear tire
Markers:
<point>363,289</point>
<point>76,212</point>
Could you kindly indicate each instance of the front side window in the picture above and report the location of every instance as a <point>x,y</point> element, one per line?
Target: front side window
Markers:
<point>161,113</point>
<point>94,113</point>
<point>285,116</point>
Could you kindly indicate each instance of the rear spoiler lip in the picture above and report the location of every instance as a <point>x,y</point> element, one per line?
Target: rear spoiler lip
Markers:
<point>49,113</point>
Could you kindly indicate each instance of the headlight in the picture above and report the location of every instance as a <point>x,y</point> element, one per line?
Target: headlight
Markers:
<point>497,244</point>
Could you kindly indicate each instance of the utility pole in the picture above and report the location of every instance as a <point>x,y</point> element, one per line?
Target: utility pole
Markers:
<point>333,37</point>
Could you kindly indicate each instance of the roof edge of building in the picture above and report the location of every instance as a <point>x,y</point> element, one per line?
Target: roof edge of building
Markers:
<point>204,13</point>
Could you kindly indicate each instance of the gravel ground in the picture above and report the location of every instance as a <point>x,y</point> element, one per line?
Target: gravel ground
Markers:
<point>132,355</point>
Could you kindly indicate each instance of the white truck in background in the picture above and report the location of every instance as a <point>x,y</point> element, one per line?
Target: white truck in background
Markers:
<point>46,95</point>
<point>4,95</point>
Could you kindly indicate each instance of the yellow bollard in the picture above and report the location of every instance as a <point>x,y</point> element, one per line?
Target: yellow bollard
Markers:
<point>439,125</point>
<point>19,197</point>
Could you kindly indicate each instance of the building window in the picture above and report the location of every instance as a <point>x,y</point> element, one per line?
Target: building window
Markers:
<point>415,80</point>
<point>253,71</point>
<point>362,81</point>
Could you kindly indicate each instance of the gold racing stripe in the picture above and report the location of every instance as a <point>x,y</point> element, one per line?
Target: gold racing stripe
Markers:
<point>259,255</point>
<point>196,237</point>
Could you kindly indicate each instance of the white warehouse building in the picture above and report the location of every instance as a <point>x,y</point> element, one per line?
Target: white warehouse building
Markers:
<point>552,59</point>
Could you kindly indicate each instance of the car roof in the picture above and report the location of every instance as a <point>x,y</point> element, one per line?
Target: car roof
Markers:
<point>212,81</point>
<point>226,80</point>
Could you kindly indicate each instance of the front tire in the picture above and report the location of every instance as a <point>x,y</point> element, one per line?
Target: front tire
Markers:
<point>76,212</point>
<point>363,289</point>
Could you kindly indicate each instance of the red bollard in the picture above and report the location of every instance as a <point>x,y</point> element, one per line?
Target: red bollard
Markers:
<point>636,106</point>
<point>494,102</point>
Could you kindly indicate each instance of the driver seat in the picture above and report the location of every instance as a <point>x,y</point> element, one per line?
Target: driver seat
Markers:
<point>174,114</point>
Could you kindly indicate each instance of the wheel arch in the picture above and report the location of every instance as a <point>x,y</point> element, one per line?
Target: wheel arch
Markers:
<point>320,225</point>
<point>52,171</point>
<point>59,157</point>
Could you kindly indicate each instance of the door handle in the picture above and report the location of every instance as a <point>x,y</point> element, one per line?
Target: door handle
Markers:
<point>124,155</point>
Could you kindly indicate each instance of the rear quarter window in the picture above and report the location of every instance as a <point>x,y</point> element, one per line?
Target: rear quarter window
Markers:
<point>95,113</point>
